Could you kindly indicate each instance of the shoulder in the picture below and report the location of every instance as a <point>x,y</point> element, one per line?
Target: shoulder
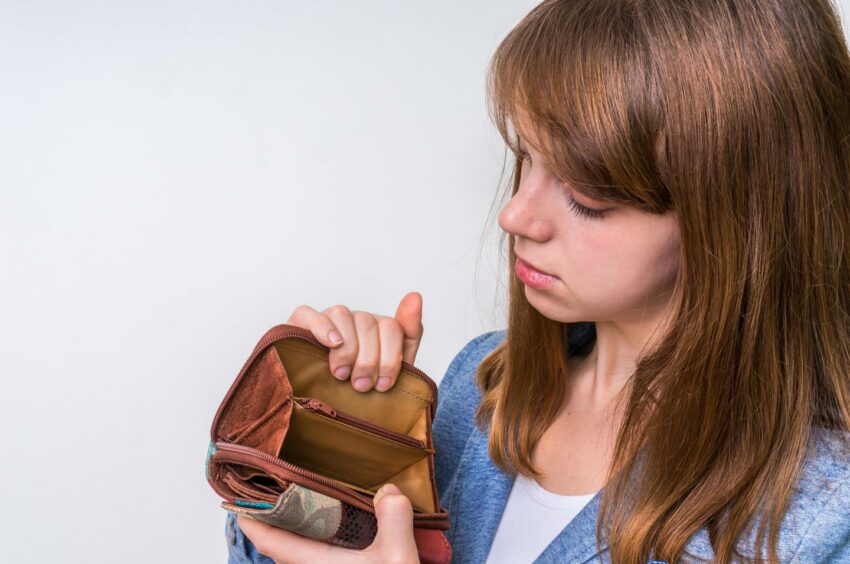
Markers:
<point>458,395</point>
<point>819,510</point>
<point>457,399</point>
<point>460,373</point>
<point>816,525</point>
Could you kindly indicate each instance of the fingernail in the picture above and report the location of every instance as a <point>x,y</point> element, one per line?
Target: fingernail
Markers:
<point>383,384</point>
<point>386,489</point>
<point>390,489</point>
<point>335,337</point>
<point>362,384</point>
<point>342,372</point>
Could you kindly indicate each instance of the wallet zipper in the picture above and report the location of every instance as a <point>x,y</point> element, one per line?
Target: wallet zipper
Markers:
<point>284,331</point>
<point>349,496</point>
<point>316,405</point>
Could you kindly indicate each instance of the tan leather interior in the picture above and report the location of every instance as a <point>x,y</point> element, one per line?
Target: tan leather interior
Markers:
<point>397,409</point>
<point>343,452</point>
<point>263,415</point>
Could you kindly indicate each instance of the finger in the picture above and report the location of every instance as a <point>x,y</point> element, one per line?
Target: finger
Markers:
<point>409,316</point>
<point>285,546</point>
<point>319,324</point>
<point>391,338</point>
<point>341,359</point>
<point>394,514</point>
<point>365,370</point>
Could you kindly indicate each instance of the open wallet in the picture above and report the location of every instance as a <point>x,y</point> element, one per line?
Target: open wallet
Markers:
<point>294,447</point>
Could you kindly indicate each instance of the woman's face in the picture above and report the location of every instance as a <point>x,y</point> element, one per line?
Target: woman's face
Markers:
<point>619,266</point>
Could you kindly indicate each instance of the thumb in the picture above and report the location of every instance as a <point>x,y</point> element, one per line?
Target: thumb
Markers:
<point>409,316</point>
<point>394,514</point>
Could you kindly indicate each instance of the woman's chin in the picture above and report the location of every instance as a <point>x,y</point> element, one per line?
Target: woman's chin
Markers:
<point>551,307</point>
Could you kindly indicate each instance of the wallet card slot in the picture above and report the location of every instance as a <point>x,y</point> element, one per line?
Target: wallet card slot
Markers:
<point>259,479</point>
<point>336,449</point>
<point>250,484</point>
<point>248,491</point>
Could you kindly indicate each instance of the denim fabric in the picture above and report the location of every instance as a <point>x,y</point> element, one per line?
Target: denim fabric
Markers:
<point>475,491</point>
<point>240,549</point>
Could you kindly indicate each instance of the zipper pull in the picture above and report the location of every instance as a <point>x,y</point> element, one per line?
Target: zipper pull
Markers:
<point>318,405</point>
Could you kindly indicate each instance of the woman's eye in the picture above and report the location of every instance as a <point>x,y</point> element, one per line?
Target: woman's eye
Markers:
<point>580,210</point>
<point>584,211</point>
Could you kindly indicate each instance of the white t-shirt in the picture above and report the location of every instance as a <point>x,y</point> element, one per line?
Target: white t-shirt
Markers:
<point>533,517</point>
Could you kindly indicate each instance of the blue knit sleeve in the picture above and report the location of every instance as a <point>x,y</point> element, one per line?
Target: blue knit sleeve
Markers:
<point>456,366</point>
<point>240,549</point>
<point>457,399</point>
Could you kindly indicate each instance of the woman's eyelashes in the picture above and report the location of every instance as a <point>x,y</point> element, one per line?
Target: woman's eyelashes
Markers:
<point>578,209</point>
<point>584,211</point>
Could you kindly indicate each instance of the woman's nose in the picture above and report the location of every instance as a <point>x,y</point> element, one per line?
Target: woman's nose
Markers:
<point>525,216</point>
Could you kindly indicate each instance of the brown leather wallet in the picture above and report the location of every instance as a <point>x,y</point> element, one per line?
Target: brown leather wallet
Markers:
<point>301,450</point>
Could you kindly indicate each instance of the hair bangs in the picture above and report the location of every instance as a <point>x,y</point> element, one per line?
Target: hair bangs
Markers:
<point>583,101</point>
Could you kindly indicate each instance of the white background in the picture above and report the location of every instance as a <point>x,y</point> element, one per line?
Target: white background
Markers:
<point>175,178</point>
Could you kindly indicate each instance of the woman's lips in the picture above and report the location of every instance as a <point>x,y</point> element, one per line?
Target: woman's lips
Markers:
<point>531,276</point>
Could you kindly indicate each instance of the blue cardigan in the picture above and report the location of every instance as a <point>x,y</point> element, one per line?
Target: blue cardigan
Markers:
<point>475,491</point>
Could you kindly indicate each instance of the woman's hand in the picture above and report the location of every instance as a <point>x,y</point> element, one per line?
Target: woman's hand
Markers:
<point>394,542</point>
<point>366,347</point>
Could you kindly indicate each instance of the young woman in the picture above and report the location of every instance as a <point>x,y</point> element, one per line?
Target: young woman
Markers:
<point>674,380</point>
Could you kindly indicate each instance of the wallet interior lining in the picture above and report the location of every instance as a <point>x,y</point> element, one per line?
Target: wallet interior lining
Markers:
<point>397,409</point>
<point>344,452</point>
<point>258,412</point>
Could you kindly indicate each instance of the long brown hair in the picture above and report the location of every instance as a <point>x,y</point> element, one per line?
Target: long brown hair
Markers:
<point>735,114</point>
